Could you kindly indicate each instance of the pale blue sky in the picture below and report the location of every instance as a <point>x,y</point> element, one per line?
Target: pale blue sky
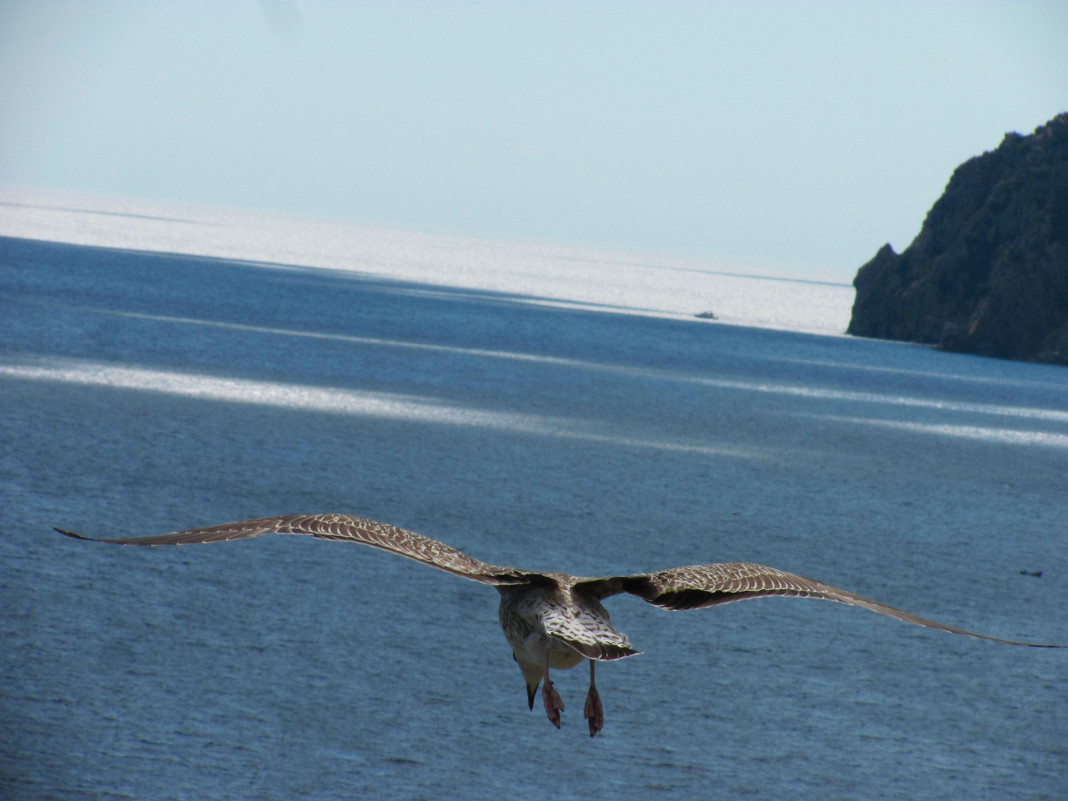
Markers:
<point>781,137</point>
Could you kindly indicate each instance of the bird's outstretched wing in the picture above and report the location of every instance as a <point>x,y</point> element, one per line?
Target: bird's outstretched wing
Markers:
<point>343,528</point>
<point>699,586</point>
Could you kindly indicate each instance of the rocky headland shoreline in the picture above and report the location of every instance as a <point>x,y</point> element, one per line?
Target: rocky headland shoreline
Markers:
<point>988,272</point>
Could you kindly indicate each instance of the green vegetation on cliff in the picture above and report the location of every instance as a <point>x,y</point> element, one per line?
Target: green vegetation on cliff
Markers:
<point>988,273</point>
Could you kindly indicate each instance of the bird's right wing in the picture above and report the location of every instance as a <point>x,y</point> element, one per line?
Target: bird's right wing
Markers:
<point>700,586</point>
<point>342,528</point>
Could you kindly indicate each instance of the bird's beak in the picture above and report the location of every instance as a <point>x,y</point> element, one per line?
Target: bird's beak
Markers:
<point>532,690</point>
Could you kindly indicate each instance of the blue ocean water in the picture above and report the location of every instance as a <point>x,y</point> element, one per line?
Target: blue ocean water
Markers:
<point>144,392</point>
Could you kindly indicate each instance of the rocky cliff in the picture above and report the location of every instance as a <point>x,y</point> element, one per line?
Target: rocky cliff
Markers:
<point>988,273</point>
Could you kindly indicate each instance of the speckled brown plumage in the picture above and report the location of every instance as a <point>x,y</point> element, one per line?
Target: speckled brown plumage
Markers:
<point>555,620</point>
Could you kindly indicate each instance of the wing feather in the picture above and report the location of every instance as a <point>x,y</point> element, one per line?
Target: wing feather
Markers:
<point>679,588</point>
<point>341,528</point>
<point>700,586</point>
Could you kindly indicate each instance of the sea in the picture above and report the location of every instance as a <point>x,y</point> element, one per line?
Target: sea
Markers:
<point>539,406</point>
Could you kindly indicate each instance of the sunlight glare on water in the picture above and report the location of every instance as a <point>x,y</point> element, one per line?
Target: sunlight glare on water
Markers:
<point>409,379</point>
<point>533,273</point>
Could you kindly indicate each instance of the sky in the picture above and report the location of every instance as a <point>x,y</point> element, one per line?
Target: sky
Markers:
<point>790,138</point>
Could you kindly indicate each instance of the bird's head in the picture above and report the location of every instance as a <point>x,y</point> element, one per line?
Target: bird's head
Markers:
<point>532,673</point>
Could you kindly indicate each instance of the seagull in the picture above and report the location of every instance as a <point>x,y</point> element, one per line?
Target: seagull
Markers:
<point>555,621</point>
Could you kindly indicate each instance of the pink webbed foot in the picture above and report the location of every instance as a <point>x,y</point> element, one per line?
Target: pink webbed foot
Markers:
<point>554,704</point>
<point>593,711</point>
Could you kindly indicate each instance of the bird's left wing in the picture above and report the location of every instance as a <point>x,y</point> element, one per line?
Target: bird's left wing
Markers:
<point>343,528</point>
<point>700,586</point>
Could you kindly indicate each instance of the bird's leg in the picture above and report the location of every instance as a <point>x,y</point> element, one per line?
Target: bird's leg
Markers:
<point>553,702</point>
<point>593,711</point>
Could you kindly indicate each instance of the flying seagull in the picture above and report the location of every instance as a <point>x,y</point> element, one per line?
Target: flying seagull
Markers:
<point>555,620</point>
